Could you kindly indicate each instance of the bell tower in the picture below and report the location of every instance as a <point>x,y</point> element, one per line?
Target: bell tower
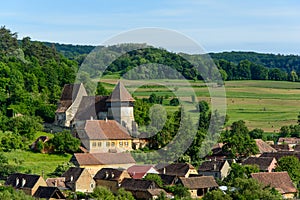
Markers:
<point>120,106</point>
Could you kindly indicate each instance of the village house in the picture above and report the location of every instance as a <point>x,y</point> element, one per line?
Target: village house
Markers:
<point>28,183</point>
<point>93,162</point>
<point>140,171</point>
<point>178,169</point>
<point>199,186</point>
<point>265,164</point>
<point>217,168</point>
<point>49,193</point>
<point>110,178</point>
<point>79,180</point>
<point>68,104</point>
<point>103,136</point>
<point>290,141</point>
<point>281,181</point>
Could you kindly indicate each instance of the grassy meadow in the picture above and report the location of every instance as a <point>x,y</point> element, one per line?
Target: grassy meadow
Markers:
<point>261,104</point>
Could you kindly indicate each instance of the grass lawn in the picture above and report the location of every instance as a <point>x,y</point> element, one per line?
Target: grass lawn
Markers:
<point>261,104</point>
<point>36,163</point>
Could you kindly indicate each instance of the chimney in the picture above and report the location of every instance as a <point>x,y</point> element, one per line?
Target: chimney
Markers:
<point>55,182</point>
<point>71,178</point>
<point>23,182</point>
<point>92,118</point>
<point>164,170</point>
<point>105,119</point>
<point>215,166</point>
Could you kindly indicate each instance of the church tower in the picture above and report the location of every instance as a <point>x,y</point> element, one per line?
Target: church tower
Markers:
<point>120,107</point>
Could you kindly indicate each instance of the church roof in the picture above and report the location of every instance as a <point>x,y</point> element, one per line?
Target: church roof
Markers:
<point>120,93</point>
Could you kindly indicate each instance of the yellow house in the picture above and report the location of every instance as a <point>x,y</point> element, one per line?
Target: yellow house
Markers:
<point>100,136</point>
<point>93,162</point>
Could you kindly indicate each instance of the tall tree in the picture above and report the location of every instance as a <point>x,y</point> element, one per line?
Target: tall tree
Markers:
<point>237,141</point>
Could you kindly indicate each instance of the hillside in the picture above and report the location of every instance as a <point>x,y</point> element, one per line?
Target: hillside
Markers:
<point>237,65</point>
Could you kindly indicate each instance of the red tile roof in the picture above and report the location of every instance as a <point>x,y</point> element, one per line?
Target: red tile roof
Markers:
<point>103,130</point>
<point>281,181</point>
<point>120,93</point>
<point>263,146</point>
<point>139,171</point>
<point>103,158</point>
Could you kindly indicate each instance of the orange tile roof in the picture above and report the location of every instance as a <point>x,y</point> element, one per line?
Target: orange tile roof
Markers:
<point>103,129</point>
<point>264,147</point>
<point>103,158</point>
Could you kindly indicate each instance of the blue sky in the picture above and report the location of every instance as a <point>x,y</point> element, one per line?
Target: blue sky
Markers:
<point>217,25</point>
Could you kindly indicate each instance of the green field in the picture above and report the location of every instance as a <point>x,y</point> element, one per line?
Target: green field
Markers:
<point>36,163</point>
<point>261,104</point>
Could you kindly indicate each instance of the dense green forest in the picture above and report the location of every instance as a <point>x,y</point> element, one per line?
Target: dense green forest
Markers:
<point>232,65</point>
<point>31,79</point>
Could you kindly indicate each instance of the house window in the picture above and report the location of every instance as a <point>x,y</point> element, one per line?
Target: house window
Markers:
<point>113,144</point>
<point>108,144</point>
<point>92,185</point>
<point>94,144</point>
<point>126,144</point>
<point>99,144</point>
<point>120,144</point>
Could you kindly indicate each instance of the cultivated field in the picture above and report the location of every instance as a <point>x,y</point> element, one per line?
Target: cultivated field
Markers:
<point>261,104</point>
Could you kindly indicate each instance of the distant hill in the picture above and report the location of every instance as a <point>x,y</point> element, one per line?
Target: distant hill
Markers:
<point>237,65</point>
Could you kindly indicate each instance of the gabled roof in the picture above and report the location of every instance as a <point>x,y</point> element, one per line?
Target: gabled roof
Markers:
<point>281,181</point>
<point>262,162</point>
<point>263,146</point>
<point>103,158</point>
<point>137,184</point>
<point>19,180</point>
<point>90,106</point>
<point>120,93</point>
<point>102,130</point>
<point>72,174</point>
<point>109,174</point>
<point>214,165</point>
<point>281,154</point>
<point>70,91</point>
<point>198,182</point>
<point>179,169</point>
<point>49,192</point>
<point>139,171</point>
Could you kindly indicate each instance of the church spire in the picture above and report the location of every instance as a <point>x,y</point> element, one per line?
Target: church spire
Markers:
<point>120,94</point>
